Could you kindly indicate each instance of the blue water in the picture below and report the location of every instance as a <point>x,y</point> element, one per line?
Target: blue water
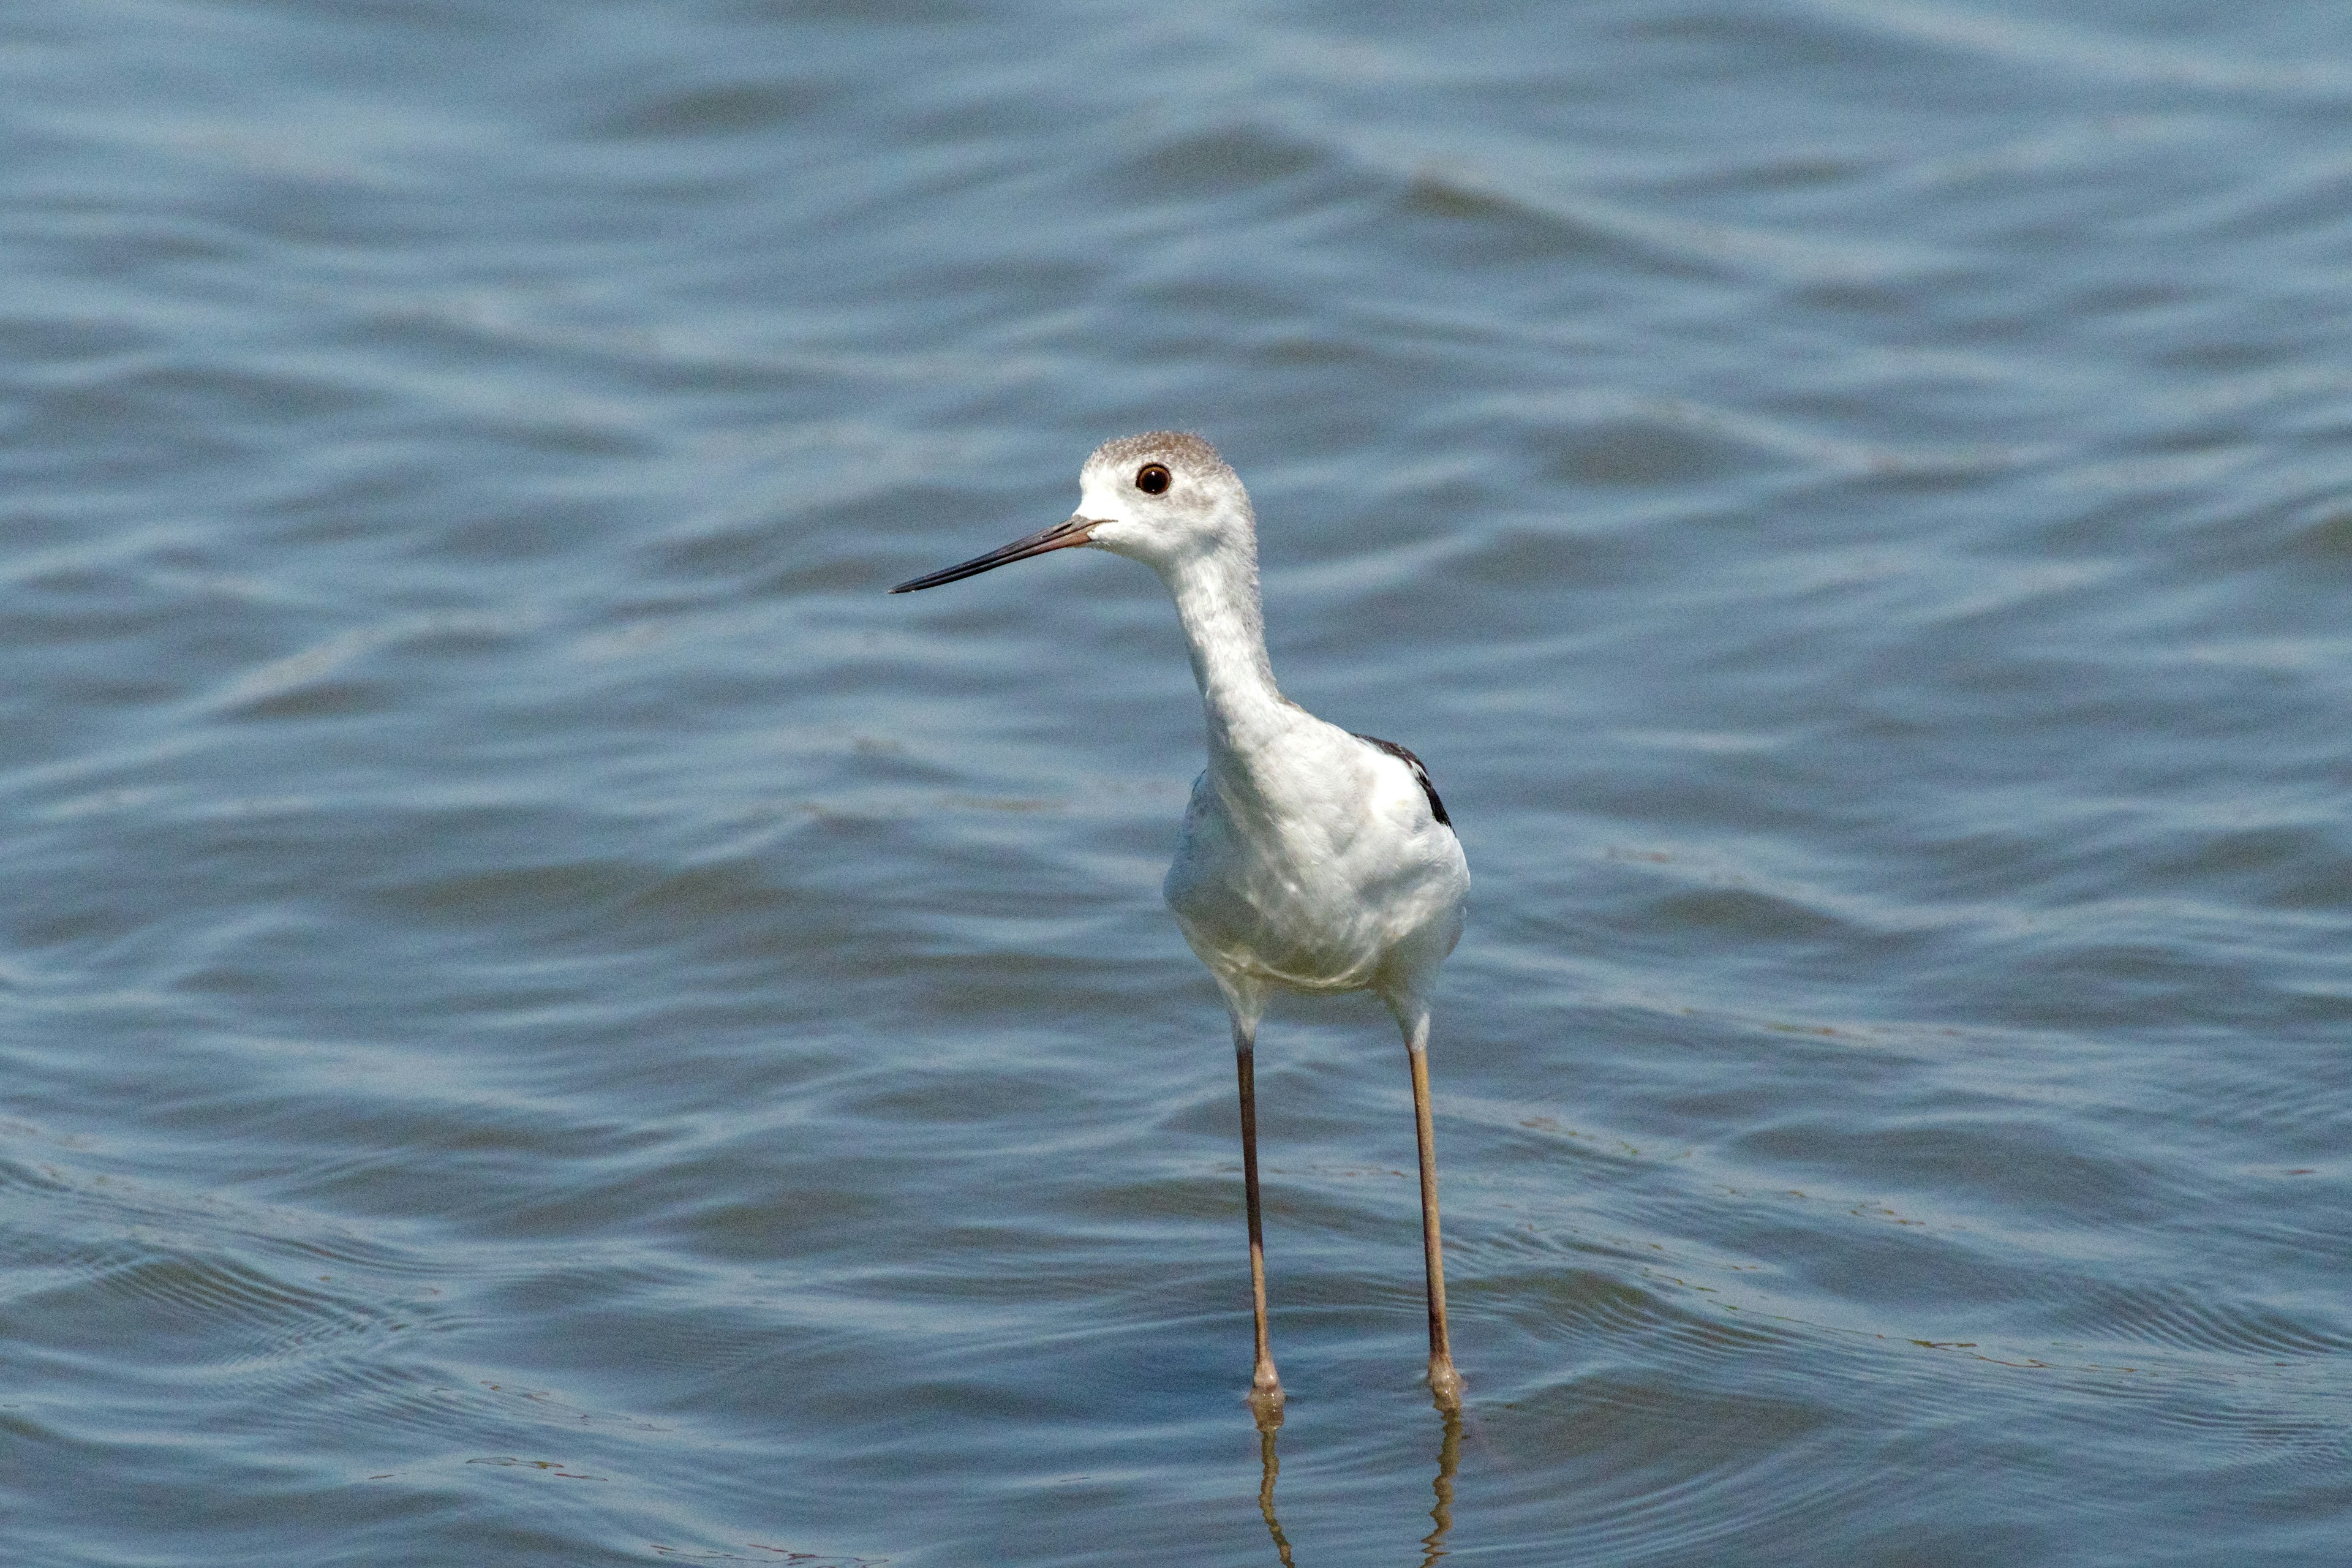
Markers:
<point>547,1021</point>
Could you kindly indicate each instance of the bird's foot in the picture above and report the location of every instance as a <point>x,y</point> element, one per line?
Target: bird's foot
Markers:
<point>1445,1385</point>
<point>1265,1397</point>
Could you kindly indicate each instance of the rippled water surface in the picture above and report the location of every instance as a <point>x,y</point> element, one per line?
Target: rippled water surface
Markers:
<point>549,1022</point>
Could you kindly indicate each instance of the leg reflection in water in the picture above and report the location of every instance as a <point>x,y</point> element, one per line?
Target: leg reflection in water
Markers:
<point>1269,1466</point>
<point>1449,1460</point>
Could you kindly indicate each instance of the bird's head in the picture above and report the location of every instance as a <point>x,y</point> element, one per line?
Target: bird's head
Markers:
<point>1163,499</point>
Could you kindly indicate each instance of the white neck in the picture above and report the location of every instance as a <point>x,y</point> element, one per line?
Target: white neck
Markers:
<point>1217,602</point>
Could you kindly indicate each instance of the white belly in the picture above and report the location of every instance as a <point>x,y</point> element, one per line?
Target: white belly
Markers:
<point>1356,888</point>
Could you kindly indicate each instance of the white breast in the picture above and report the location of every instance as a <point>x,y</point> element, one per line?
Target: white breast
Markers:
<point>1316,865</point>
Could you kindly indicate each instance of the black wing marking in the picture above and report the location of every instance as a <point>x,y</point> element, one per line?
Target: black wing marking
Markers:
<point>1420,773</point>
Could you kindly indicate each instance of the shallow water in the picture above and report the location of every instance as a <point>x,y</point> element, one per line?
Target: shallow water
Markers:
<point>551,1022</point>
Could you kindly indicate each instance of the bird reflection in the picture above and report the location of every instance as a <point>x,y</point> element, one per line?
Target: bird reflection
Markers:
<point>1441,1513</point>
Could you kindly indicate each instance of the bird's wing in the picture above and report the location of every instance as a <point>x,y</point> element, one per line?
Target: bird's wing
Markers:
<point>1420,773</point>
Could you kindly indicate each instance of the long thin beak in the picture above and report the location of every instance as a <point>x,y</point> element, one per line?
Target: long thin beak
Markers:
<point>1061,536</point>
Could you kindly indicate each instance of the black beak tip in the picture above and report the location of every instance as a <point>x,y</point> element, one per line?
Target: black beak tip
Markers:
<point>1061,536</point>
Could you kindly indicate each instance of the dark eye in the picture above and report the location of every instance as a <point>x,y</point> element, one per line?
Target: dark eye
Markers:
<point>1152,478</point>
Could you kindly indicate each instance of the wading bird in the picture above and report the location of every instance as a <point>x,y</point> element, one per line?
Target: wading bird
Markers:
<point>1312,860</point>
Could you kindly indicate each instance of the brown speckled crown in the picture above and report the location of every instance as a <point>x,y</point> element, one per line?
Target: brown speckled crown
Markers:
<point>1178,448</point>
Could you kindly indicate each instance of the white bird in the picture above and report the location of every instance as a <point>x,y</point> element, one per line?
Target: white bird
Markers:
<point>1312,860</point>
